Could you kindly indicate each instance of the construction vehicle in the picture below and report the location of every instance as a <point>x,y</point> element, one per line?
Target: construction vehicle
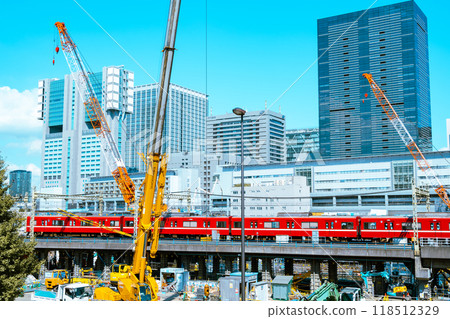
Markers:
<point>350,294</point>
<point>408,140</point>
<point>327,292</point>
<point>118,271</point>
<point>58,277</point>
<point>394,289</point>
<point>139,283</point>
<point>65,292</point>
<point>87,277</point>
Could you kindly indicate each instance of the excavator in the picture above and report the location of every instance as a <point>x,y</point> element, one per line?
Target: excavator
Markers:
<point>137,284</point>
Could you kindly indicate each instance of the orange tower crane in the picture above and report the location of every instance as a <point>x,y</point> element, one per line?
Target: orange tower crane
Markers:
<point>95,113</point>
<point>408,140</point>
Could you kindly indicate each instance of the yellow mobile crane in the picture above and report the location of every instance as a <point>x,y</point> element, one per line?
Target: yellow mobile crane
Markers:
<point>139,284</point>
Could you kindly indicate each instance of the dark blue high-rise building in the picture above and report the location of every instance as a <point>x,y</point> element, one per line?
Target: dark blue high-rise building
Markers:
<point>391,43</point>
<point>20,183</point>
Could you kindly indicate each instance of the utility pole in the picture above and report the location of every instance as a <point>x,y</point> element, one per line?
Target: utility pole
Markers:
<point>418,193</point>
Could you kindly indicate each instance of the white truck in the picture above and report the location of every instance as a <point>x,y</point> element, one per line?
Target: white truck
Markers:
<point>66,292</point>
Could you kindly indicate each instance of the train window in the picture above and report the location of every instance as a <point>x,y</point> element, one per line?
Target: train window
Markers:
<point>114,223</point>
<point>204,224</point>
<point>129,223</point>
<point>161,225</point>
<point>271,224</point>
<point>370,225</point>
<point>332,225</point>
<point>171,224</point>
<point>392,225</point>
<point>346,225</point>
<point>432,226</point>
<point>409,226</point>
<point>288,225</point>
<point>237,224</point>
<point>310,225</point>
<point>209,224</point>
<point>43,222</point>
<point>58,223</point>
<point>326,225</point>
<point>190,224</point>
<point>438,226</point>
<point>221,225</point>
<point>175,223</point>
<point>293,225</point>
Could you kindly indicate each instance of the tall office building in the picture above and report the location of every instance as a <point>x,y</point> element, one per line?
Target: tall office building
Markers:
<point>391,43</point>
<point>264,136</point>
<point>184,128</point>
<point>71,150</point>
<point>20,183</point>
<point>301,143</point>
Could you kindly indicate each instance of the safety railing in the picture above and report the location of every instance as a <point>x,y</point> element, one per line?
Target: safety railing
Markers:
<point>434,242</point>
<point>295,244</point>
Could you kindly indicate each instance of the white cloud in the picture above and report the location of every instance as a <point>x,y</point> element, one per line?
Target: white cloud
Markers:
<point>34,146</point>
<point>31,146</point>
<point>19,111</point>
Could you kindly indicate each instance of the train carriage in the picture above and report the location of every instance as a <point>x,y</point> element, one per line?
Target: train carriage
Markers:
<point>328,228</point>
<point>51,225</point>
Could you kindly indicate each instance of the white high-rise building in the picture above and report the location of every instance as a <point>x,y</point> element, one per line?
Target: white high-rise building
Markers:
<point>264,136</point>
<point>70,150</point>
<point>184,127</point>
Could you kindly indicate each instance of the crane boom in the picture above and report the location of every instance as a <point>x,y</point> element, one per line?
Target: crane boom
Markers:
<point>408,140</point>
<point>154,182</point>
<point>96,115</point>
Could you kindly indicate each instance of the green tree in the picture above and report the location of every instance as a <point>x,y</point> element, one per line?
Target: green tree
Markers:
<point>17,259</point>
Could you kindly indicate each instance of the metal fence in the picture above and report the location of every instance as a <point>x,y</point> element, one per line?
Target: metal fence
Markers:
<point>434,242</point>
<point>348,245</point>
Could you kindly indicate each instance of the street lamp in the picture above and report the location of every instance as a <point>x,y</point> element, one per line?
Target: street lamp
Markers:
<point>240,112</point>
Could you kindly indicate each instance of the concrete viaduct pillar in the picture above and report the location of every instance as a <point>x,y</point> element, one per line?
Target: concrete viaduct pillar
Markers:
<point>315,275</point>
<point>332,271</point>
<point>228,264</point>
<point>288,266</point>
<point>255,262</point>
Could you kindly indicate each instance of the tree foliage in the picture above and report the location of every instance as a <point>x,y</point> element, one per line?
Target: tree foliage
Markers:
<point>17,258</point>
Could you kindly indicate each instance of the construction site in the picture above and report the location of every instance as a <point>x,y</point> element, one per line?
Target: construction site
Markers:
<point>150,251</point>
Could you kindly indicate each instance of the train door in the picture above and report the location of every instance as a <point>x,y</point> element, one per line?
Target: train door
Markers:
<point>358,227</point>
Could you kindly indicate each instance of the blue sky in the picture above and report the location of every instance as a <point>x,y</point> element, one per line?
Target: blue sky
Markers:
<point>255,51</point>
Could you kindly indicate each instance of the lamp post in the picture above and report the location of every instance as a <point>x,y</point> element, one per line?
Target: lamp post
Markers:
<point>240,112</point>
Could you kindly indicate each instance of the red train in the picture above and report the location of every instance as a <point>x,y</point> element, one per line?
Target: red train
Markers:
<point>330,228</point>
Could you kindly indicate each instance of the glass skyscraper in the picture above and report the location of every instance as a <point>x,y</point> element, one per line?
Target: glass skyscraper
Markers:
<point>20,183</point>
<point>184,127</point>
<point>391,43</point>
<point>301,143</point>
